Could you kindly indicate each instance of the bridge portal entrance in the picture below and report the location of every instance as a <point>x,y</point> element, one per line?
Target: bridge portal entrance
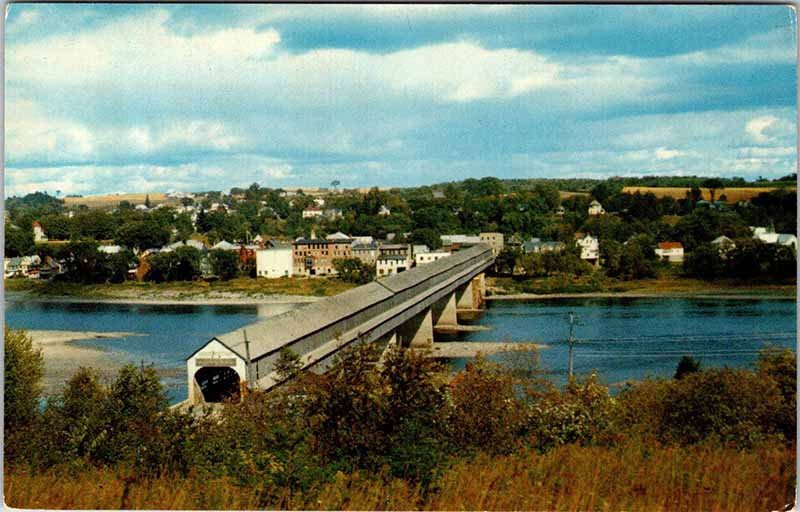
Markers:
<point>218,383</point>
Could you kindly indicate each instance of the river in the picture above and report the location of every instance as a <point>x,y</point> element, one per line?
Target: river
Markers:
<point>623,339</point>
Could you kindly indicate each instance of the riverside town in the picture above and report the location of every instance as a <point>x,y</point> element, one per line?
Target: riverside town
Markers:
<point>400,257</point>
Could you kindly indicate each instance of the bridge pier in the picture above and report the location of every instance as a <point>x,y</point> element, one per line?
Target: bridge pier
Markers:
<point>445,312</point>
<point>417,332</point>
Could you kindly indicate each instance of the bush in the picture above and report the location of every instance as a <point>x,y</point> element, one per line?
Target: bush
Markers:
<point>24,367</point>
<point>224,264</point>
<point>353,270</point>
<point>485,413</point>
<point>728,405</point>
<point>780,367</point>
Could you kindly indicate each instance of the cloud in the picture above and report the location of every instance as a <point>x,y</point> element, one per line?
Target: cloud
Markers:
<point>239,170</point>
<point>206,95</point>
<point>766,129</point>
<point>667,154</point>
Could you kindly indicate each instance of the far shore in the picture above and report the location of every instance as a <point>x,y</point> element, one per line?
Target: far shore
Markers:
<point>642,295</point>
<point>231,299</point>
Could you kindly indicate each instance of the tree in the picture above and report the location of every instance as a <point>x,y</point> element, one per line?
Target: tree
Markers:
<point>147,200</point>
<point>704,262</point>
<point>224,264</point>
<point>24,368</point>
<point>686,365</point>
<point>353,270</point>
<point>19,241</point>
<point>713,184</point>
<point>288,364</point>
<point>143,234</point>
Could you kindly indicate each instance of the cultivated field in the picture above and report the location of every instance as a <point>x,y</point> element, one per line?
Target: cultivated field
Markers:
<point>112,200</point>
<point>731,194</point>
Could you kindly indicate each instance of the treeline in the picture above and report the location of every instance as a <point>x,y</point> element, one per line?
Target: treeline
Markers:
<point>403,420</point>
<point>423,213</point>
<point>748,259</point>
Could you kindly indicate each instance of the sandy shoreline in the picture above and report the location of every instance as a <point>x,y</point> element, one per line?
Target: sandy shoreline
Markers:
<point>62,358</point>
<point>639,295</point>
<point>190,301</point>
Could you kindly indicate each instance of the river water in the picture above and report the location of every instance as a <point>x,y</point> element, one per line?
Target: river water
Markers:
<point>622,339</point>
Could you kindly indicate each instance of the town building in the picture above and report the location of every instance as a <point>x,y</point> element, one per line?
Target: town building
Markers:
<point>312,212</point>
<point>595,208</point>
<point>419,249</point>
<point>769,236</point>
<point>315,256</point>
<point>670,251</point>
<point>590,248</point>
<point>537,245</point>
<point>109,249</point>
<point>723,244</point>
<point>384,211</point>
<point>339,236</point>
<point>38,232</point>
<point>495,241</point>
<point>224,245</point>
<point>274,262</point>
<point>391,264</point>
<point>333,213</point>
<point>429,257</point>
<point>367,252</point>
<point>24,266</point>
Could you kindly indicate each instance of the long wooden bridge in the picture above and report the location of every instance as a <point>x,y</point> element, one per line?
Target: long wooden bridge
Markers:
<point>406,309</point>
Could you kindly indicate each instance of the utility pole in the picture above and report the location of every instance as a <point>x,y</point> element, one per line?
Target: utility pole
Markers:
<point>247,354</point>
<point>572,320</point>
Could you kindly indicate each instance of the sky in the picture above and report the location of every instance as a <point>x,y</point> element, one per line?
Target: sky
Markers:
<point>104,98</point>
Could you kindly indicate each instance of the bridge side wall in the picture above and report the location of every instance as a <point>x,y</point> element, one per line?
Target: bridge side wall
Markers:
<point>265,365</point>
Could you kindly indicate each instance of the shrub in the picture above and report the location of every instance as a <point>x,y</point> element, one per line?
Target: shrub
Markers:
<point>686,365</point>
<point>24,367</point>
<point>780,367</point>
<point>728,405</point>
<point>579,414</point>
<point>485,413</point>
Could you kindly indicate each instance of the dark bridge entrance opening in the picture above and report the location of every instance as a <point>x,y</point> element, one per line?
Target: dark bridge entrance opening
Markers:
<point>218,384</point>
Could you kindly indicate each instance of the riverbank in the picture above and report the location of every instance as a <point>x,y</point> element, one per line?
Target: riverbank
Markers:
<point>665,286</point>
<point>62,357</point>
<point>240,291</point>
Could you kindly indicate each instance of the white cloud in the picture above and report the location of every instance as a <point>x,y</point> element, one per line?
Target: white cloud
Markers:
<point>768,129</point>
<point>663,153</point>
<point>216,174</point>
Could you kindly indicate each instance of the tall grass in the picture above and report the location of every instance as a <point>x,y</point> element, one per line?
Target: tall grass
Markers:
<point>632,476</point>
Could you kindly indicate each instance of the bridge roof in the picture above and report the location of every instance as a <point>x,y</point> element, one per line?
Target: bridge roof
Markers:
<point>405,280</point>
<point>272,333</point>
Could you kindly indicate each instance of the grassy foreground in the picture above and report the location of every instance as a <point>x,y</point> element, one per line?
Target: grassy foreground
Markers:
<point>180,290</point>
<point>634,476</point>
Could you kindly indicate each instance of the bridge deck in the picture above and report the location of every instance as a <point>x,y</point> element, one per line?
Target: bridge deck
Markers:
<point>271,334</point>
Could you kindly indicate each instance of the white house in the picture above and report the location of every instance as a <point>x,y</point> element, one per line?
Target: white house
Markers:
<point>319,202</point>
<point>38,232</point>
<point>310,213</point>
<point>390,264</point>
<point>274,262</point>
<point>595,208</point>
<point>224,245</point>
<point>590,247</point>
<point>670,251</point>
<point>338,236</point>
<point>723,244</point>
<point>26,266</point>
<point>109,249</point>
<point>769,236</point>
<point>429,257</point>
<point>384,211</point>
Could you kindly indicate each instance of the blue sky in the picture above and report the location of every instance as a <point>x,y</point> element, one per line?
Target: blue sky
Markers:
<point>136,98</point>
